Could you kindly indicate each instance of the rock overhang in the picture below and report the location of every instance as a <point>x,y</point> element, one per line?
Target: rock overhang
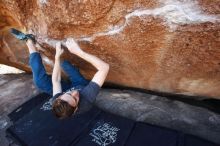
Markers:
<point>169,46</point>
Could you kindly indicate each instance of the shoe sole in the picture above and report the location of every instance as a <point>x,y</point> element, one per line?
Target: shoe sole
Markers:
<point>18,34</point>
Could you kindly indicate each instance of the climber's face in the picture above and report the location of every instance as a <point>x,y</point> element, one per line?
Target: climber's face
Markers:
<point>71,97</point>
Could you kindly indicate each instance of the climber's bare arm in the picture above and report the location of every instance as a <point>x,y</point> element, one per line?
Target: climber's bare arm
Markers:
<point>100,65</point>
<point>56,75</point>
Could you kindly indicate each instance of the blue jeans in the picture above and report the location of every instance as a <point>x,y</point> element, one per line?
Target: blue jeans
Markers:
<point>44,82</point>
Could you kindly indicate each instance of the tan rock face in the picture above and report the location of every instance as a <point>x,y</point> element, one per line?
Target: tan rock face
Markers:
<point>165,45</point>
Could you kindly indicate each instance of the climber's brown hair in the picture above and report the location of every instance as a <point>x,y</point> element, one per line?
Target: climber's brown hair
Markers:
<point>62,109</point>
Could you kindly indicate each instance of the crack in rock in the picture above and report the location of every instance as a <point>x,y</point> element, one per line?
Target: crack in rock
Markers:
<point>174,13</point>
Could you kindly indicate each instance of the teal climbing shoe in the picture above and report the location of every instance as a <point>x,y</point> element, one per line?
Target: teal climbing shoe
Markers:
<point>21,36</point>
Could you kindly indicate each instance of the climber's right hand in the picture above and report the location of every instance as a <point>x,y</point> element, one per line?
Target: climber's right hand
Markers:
<point>73,47</point>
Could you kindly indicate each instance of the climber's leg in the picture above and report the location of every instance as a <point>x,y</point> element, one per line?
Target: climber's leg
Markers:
<point>41,79</point>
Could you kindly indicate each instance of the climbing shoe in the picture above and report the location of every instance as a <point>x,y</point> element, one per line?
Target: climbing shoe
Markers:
<point>21,36</point>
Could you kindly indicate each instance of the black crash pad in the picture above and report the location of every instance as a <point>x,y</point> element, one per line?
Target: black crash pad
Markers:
<point>150,135</point>
<point>106,129</point>
<point>28,106</point>
<point>36,127</point>
<point>190,140</point>
<point>42,128</point>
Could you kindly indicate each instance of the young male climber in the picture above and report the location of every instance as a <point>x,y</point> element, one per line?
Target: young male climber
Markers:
<point>76,96</point>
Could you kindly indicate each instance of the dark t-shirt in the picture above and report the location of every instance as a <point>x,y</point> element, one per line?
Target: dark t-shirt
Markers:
<point>87,96</point>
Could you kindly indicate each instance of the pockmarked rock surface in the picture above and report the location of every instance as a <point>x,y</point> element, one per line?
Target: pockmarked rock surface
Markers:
<point>162,45</point>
